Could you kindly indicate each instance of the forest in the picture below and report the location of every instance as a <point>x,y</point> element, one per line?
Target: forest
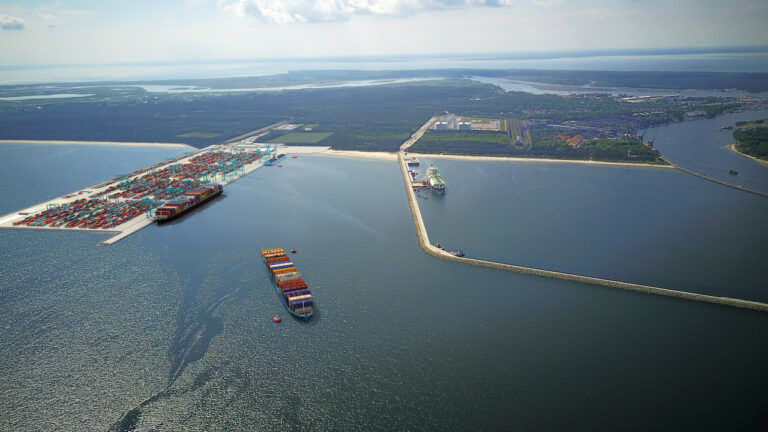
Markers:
<point>369,118</point>
<point>498,144</point>
<point>752,141</point>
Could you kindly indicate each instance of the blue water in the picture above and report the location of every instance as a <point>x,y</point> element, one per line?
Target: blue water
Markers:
<point>701,147</point>
<point>182,313</point>
<point>701,62</point>
<point>558,89</point>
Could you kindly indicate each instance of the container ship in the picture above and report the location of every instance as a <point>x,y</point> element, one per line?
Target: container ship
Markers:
<point>187,202</point>
<point>293,291</point>
<point>435,180</point>
<point>275,160</point>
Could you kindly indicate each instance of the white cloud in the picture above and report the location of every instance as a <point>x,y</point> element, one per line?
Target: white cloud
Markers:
<point>548,3</point>
<point>292,11</point>
<point>8,22</point>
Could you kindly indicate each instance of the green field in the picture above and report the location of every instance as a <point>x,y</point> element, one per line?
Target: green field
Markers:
<point>200,134</point>
<point>301,137</point>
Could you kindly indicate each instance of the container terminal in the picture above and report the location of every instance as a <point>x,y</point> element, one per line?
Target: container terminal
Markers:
<point>129,202</point>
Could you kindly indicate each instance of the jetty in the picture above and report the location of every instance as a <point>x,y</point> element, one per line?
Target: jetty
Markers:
<point>125,204</point>
<point>426,246</point>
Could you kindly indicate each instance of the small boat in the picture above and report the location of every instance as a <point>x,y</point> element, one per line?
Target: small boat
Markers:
<point>457,252</point>
<point>294,157</point>
<point>293,250</point>
<point>279,166</point>
<point>276,318</point>
<point>733,172</point>
<point>437,245</point>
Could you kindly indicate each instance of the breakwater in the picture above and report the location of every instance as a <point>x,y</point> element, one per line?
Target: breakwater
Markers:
<point>720,182</point>
<point>426,246</point>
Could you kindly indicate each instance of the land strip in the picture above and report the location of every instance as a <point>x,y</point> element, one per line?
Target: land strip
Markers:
<point>534,159</point>
<point>732,147</point>
<point>257,131</point>
<point>720,182</point>
<point>426,246</point>
<point>106,143</point>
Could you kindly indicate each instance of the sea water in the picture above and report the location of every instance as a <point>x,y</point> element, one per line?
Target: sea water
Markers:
<point>174,322</point>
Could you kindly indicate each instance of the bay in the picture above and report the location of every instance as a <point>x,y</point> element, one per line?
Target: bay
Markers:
<point>182,314</point>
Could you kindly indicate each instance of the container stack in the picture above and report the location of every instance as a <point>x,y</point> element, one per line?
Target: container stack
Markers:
<point>187,201</point>
<point>287,280</point>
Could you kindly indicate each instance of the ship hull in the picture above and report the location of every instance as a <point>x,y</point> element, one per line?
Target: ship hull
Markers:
<point>188,209</point>
<point>276,161</point>
<point>285,303</point>
<point>281,294</point>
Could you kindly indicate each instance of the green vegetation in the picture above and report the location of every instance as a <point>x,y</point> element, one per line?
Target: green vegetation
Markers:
<point>465,142</point>
<point>374,118</point>
<point>749,124</point>
<point>200,135</point>
<point>497,144</point>
<point>301,137</point>
<point>752,140</point>
<point>309,126</point>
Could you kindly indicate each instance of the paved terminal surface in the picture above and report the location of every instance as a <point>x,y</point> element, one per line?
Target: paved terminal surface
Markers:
<point>102,192</point>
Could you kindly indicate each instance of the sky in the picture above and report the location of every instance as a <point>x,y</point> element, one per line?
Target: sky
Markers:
<point>34,32</point>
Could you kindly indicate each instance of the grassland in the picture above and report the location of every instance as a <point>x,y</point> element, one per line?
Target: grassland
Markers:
<point>301,137</point>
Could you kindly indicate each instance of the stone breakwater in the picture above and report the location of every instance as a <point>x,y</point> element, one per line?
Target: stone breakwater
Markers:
<point>426,246</point>
<point>720,182</point>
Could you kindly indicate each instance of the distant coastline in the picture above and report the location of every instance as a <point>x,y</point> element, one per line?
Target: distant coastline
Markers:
<point>105,143</point>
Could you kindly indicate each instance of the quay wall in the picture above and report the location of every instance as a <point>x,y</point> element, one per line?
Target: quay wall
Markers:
<point>426,246</point>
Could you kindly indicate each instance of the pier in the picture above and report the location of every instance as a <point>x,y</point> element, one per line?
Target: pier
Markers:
<point>125,204</point>
<point>714,180</point>
<point>426,246</point>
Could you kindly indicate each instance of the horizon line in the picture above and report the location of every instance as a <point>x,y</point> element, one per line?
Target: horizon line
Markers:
<point>518,55</point>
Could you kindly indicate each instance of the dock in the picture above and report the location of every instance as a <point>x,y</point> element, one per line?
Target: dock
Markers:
<point>123,205</point>
<point>427,247</point>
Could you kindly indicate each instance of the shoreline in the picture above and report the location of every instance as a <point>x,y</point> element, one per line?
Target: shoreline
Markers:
<point>393,156</point>
<point>541,160</point>
<point>360,154</point>
<point>732,147</point>
<point>104,143</point>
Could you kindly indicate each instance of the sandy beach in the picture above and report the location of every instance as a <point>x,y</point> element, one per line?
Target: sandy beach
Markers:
<point>362,154</point>
<point>514,159</point>
<point>732,147</point>
<point>393,156</point>
<point>107,143</point>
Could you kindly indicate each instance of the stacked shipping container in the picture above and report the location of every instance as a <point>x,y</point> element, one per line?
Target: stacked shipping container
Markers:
<point>287,280</point>
<point>187,201</point>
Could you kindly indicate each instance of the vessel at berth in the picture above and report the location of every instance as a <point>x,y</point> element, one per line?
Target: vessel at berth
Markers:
<point>292,290</point>
<point>435,180</point>
<point>275,160</point>
<point>186,202</point>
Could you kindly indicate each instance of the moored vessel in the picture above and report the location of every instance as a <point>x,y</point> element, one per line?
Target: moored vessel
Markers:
<point>275,160</point>
<point>292,290</point>
<point>435,180</point>
<point>186,202</point>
